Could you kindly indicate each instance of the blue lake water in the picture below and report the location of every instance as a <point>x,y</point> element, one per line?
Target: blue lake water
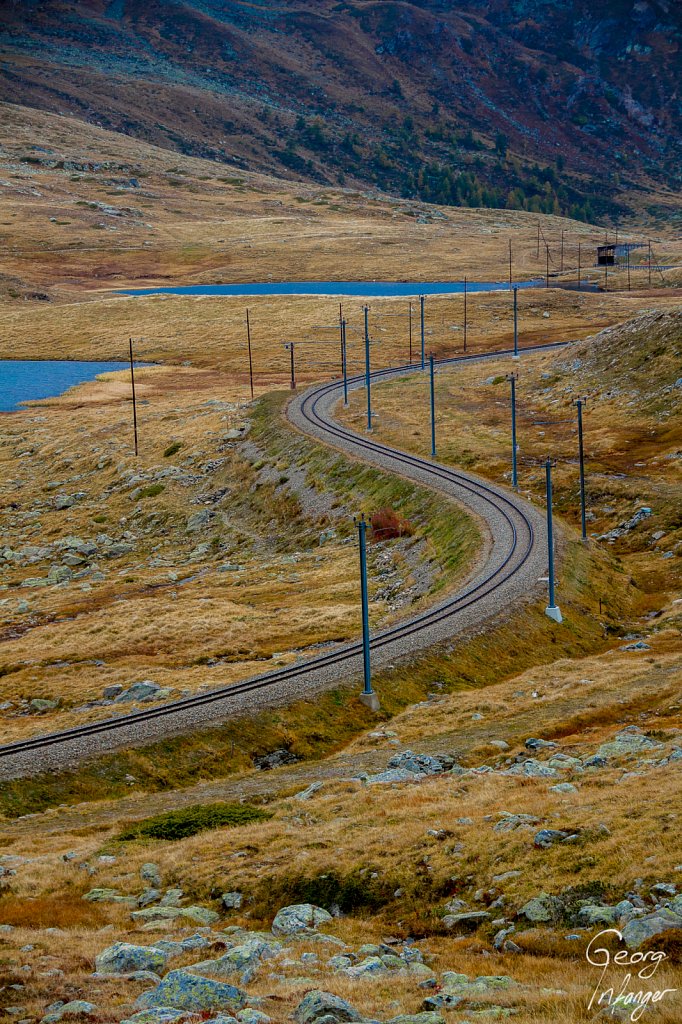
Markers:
<point>24,379</point>
<point>368,288</point>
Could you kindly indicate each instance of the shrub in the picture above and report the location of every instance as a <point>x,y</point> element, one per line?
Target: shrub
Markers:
<point>152,491</point>
<point>387,524</point>
<point>172,449</point>
<point>190,820</point>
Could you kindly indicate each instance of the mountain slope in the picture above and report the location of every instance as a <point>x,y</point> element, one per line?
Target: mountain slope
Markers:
<point>426,98</point>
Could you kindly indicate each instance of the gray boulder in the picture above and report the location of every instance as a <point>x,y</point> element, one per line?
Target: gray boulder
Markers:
<point>185,991</point>
<point>317,1004</point>
<point>232,900</point>
<point>467,921</point>
<point>300,917</point>
<point>150,873</point>
<point>627,742</point>
<point>124,957</point>
<point>161,1015</point>
<point>75,1008</point>
<point>640,929</point>
<point>542,909</point>
<point>198,915</point>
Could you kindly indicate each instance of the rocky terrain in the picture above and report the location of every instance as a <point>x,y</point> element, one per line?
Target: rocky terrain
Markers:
<point>502,104</point>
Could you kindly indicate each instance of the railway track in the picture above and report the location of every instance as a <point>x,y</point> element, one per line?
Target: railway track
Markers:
<point>514,558</point>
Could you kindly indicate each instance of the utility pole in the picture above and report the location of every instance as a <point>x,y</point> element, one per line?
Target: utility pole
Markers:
<point>132,381</point>
<point>511,274</point>
<point>465,313</point>
<point>627,248</point>
<point>367,371</point>
<point>547,270</point>
<point>289,346</point>
<point>433,408</point>
<point>410,328</point>
<point>516,322</point>
<point>650,263</point>
<point>248,341</point>
<point>368,696</point>
<point>344,363</point>
<point>512,378</point>
<point>537,254</point>
<point>552,609</point>
<point>580,402</point>
<point>562,250</point>
<point>421,314</point>
<point>579,266</point>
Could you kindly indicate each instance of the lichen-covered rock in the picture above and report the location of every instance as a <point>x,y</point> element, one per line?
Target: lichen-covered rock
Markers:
<point>317,1004</point>
<point>592,915</point>
<point>76,1008</point>
<point>370,965</point>
<point>109,896</point>
<point>199,915</point>
<point>300,917</point>
<point>235,960</point>
<point>124,957</point>
<point>249,1016</point>
<point>150,874</point>
<point>641,929</point>
<point>628,741</point>
<point>161,1015</point>
<point>232,900</point>
<point>185,991</point>
<point>425,1017</point>
<point>543,908</point>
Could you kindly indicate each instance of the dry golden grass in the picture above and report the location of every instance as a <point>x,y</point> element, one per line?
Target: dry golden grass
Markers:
<point>386,829</point>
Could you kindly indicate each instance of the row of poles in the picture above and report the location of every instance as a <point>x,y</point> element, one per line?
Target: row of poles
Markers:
<point>552,610</point>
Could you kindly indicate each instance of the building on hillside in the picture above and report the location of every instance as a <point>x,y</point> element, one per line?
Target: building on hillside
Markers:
<point>617,253</point>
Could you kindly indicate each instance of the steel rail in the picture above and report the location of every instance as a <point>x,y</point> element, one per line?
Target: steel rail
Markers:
<point>312,417</point>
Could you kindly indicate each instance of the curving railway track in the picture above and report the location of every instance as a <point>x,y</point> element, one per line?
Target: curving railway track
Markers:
<point>513,559</point>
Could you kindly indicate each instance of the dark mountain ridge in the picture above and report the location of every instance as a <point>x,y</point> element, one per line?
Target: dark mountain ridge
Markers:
<point>523,103</point>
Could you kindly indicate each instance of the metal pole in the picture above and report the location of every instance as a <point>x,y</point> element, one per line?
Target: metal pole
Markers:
<point>649,262</point>
<point>132,381</point>
<point>516,322</point>
<point>628,261</point>
<point>344,362</point>
<point>547,271</point>
<point>293,367</point>
<point>552,610</point>
<point>465,314</point>
<point>579,266</point>
<point>433,409</point>
<point>583,512</point>
<point>367,668</point>
<point>512,378</point>
<point>511,274</point>
<point>410,322</point>
<point>606,274</point>
<point>562,250</point>
<point>537,255</point>
<point>248,338</point>
<point>367,371</point>
<point>421,314</point>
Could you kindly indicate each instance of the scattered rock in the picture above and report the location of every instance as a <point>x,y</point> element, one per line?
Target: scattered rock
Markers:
<point>232,900</point>
<point>317,1004</point>
<point>547,837</point>
<point>199,915</point>
<point>640,929</point>
<point>75,1008</point>
<point>275,759</point>
<point>185,991</point>
<point>300,917</point>
<point>542,908</point>
<point>124,957</point>
<point>466,921</point>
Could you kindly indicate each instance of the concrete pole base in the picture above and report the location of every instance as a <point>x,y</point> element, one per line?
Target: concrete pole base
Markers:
<point>516,357</point>
<point>554,612</point>
<point>370,700</point>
